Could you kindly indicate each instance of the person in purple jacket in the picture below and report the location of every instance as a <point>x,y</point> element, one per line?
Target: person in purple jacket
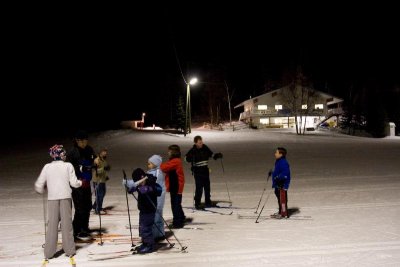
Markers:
<point>281,181</point>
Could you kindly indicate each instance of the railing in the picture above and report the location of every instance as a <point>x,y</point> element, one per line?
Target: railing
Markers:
<point>335,111</point>
<point>257,112</point>
<point>284,113</point>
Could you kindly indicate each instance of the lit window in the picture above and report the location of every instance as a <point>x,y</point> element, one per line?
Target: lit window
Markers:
<point>303,106</point>
<point>264,120</point>
<point>262,107</point>
<point>278,107</point>
<point>319,106</point>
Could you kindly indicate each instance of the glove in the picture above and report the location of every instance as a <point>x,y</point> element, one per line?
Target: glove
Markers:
<point>85,183</point>
<point>280,183</point>
<point>129,185</point>
<point>85,168</point>
<point>217,156</point>
<point>144,189</point>
<point>107,168</point>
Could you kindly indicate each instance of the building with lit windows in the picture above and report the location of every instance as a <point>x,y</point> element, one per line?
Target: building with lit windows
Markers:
<point>270,111</point>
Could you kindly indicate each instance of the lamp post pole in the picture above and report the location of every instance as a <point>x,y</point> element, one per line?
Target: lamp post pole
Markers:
<point>187,107</point>
<point>143,114</point>
<point>188,115</point>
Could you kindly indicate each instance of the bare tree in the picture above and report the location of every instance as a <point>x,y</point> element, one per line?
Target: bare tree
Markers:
<point>299,97</point>
<point>229,99</point>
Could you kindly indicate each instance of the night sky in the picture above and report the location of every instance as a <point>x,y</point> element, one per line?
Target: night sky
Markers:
<point>56,65</point>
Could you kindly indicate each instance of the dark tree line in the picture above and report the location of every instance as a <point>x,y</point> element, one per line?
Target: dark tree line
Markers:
<point>370,107</point>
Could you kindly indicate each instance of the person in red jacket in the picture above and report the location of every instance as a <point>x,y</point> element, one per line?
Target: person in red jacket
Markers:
<point>174,183</point>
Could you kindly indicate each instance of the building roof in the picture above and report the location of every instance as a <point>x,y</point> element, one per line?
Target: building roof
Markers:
<point>325,95</point>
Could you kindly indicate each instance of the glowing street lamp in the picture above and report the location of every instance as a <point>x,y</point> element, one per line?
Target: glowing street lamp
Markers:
<point>188,124</point>
<point>143,114</point>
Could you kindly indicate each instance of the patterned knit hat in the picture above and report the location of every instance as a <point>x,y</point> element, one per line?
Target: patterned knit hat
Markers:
<point>57,152</point>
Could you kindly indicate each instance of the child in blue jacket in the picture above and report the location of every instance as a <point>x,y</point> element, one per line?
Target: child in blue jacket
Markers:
<point>281,180</point>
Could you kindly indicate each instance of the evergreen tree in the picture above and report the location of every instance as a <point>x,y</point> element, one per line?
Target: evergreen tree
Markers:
<point>180,114</point>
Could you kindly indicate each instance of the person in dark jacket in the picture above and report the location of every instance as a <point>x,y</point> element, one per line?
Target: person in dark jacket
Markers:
<point>281,180</point>
<point>81,156</point>
<point>198,156</point>
<point>147,205</point>
<point>174,183</point>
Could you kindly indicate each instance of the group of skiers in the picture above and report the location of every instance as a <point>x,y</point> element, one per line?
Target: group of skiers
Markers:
<point>70,175</point>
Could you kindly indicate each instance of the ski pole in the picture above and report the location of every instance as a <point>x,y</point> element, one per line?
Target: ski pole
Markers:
<point>127,205</point>
<point>226,183</point>
<point>96,186</point>
<point>183,248</point>
<point>44,218</point>
<point>263,207</point>
<point>259,202</point>
<point>194,184</point>
<point>170,244</point>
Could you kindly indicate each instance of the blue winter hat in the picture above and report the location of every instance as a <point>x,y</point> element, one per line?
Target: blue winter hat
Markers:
<point>156,160</point>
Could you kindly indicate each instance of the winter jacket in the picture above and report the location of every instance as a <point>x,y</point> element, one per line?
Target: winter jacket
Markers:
<point>146,193</point>
<point>174,176</point>
<point>99,172</point>
<point>156,172</point>
<point>281,174</point>
<point>82,160</point>
<point>59,176</point>
<point>199,158</point>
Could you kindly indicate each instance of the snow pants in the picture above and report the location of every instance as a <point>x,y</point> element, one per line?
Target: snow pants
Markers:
<point>146,221</point>
<point>277,194</point>
<point>59,210</point>
<point>82,198</point>
<point>158,227</point>
<point>100,192</point>
<point>202,180</point>
<point>177,211</point>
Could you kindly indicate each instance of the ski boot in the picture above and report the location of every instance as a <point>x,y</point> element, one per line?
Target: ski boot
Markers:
<point>45,262</point>
<point>72,261</point>
<point>148,248</point>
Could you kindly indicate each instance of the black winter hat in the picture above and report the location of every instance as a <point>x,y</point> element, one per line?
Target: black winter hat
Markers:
<point>138,174</point>
<point>81,135</point>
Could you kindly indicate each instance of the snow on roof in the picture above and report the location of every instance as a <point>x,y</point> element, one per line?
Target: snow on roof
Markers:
<point>325,95</point>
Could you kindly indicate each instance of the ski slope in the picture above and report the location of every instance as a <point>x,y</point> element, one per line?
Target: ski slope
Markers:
<point>346,188</point>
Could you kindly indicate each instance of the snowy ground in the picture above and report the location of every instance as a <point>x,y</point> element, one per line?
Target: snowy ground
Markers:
<point>348,185</point>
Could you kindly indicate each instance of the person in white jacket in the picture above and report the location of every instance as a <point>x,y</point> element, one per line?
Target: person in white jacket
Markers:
<point>58,176</point>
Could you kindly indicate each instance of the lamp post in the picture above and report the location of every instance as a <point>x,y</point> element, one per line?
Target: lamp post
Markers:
<point>143,114</point>
<point>188,124</point>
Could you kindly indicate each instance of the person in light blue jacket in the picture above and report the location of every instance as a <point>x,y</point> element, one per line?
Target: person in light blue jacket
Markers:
<point>281,177</point>
<point>153,166</point>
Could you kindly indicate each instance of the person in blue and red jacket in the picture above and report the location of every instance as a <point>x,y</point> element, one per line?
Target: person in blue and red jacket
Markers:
<point>174,183</point>
<point>281,177</point>
<point>82,156</point>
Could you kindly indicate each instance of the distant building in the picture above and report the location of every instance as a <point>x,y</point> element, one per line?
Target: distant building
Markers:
<point>270,110</point>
